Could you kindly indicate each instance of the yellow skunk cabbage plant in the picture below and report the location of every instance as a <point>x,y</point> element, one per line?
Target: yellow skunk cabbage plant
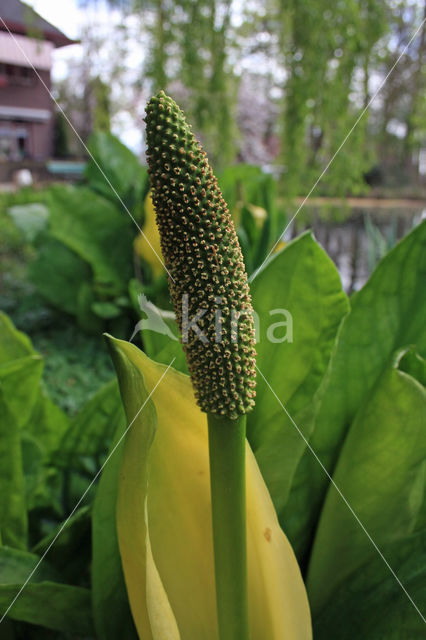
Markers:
<point>164,518</point>
<point>202,551</point>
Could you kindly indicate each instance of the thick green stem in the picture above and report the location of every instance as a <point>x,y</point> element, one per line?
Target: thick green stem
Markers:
<point>227,478</point>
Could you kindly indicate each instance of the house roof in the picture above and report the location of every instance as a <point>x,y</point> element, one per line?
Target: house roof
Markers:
<point>18,17</point>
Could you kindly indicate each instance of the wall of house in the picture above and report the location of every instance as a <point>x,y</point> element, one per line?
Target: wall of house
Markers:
<point>27,92</point>
<point>41,140</point>
<point>26,113</point>
<point>26,52</point>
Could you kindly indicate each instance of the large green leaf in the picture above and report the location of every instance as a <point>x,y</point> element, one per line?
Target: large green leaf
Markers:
<point>92,429</point>
<point>302,280</point>
<point>112,161</point>
<point>39,440</point>
<point>16,566</point>
<point>33,422</point>
<point>387,315</point>
<point>20,381</point>
<point>381,473</point>
<point>111,611</point>
<point>413,364</point>
<point>68,547</point>
<point>56,606</point>
<point>43,601</point>
<point>61,607</point>
<point>13,508</point>
<point>58,273</point>
<point>372,605</point>
<point>96,231</point>
<point>13,343</point>
<point>20,373</point>
<point>30,219</point>
<point>47,423</point>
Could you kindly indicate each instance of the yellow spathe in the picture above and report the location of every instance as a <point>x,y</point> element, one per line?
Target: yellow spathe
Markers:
<point>164,519</point>
<point>147,244</point>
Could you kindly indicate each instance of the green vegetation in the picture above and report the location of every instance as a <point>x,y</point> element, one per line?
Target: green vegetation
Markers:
<point>275,83</point>
<point>352,382</point>
<point>350,372</point>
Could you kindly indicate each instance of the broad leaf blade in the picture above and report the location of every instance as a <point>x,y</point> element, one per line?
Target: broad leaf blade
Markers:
<point>68,546</point>
<point>55,265</point>
<point>17,565</point>
<point>381,473</point>
<point>303,281</point>
<point>414,365</point>
<point>20,381</point>
<point>112,161</point>
<point>96,231</point>
<point>13,343</point>
<point>52,605</point>
<point>386,316</point>
<point>42,601</point>
<point>371,604</point>
<point>13,508</point>
<point>92,429</point>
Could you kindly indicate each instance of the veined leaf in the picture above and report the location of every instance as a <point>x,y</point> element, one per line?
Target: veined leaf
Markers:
<point>33,422</point>
<point>16,566</point>
<point>13,343</point>
<point>92,429</point>
<point>387,315</point>
<point>302,281</point>
<point>20,381</point>
<point>371,604</point>
<point>13,508</point>
<point>55,265</point>
<point>381,472</point>
<point>69,546</point>
<point>96,231</point>
<point>47,423</point>
<point>61,607</point>
<point>44,601</point>
<point>122,168</point>
<point>30,219</point>
<point>20,371</point>
<point>413,364</point>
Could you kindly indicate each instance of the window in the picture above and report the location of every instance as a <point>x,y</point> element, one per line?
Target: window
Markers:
<point>4,81</point>
<point>15,75</point>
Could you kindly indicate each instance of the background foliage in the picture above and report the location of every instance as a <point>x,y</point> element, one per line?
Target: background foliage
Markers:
<point>272,83</point>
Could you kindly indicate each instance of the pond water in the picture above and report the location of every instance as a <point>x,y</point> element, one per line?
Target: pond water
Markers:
<point>357,237</point>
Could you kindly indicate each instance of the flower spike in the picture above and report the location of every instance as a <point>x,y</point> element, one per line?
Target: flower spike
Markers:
<point>207,277</point>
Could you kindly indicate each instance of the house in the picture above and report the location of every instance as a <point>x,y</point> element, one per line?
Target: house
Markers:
<point>26,108</point>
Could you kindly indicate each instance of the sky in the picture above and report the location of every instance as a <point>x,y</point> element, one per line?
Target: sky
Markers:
<point>64,14</point>
<point>68,17</point>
